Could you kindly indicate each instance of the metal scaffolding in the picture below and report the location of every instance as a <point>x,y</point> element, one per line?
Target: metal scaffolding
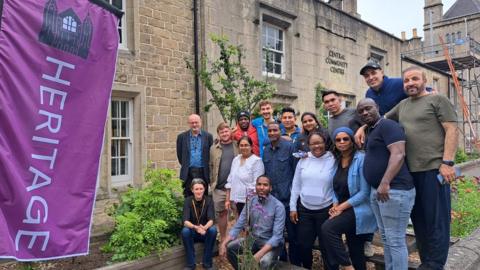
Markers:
<point>464,56</point>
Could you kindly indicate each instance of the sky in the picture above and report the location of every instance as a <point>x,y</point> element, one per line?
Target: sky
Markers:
<point>395,16</point>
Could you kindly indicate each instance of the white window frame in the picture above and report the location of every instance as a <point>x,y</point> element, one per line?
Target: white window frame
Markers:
<point>123,22</point>
<point>69,24</point>
<point>282,52</point>
<point>124,179</point>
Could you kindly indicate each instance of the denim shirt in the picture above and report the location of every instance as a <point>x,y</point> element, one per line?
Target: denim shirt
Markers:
<point>196,150</point>
<point>280,168</point>
<point>359,196</point>
<point>267,220</point>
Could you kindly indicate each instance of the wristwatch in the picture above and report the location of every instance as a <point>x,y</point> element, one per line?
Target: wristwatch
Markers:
<point>448,162</point>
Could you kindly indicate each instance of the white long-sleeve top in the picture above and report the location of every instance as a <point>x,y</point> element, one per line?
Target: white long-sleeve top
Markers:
<point>243,177</point>
<point>313,182</point>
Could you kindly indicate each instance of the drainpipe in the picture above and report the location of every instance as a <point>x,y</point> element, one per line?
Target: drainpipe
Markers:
<point>195,52</point>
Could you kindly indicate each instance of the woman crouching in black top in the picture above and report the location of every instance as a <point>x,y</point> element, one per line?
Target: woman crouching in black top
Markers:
<point>198,217</point>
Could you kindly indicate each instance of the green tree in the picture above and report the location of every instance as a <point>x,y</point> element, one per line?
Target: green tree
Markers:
<point>232,88</point>
<point>321,113</point>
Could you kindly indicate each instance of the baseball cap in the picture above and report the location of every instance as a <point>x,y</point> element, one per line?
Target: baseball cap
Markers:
<point>369,65</point>
<point>243,113</point>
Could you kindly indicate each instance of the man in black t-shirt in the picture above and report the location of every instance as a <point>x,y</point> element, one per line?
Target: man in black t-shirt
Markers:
<point>393,193</point>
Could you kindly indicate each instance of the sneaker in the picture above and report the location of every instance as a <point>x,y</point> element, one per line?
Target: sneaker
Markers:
<point>368,249</point>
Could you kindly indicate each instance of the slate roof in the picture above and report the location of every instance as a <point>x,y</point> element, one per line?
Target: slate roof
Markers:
<point>462,8</point>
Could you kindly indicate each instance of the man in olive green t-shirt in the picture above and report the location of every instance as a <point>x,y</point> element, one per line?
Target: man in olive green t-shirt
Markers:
<point>429,121</point>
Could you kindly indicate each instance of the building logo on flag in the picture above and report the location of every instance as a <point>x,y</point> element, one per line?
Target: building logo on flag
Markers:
<point>65,31</point>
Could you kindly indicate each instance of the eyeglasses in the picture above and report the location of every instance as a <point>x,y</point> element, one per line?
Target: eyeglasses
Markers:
<point>344,139</point>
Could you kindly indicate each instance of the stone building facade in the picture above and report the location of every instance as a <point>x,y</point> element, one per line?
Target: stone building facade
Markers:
<point>459,29</point>
<point>152,93</point>
<point>309,42</point>
<point>312,41</point>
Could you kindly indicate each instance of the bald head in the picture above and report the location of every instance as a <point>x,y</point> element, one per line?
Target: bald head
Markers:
<point>368,111</point>
<point>195,123</point>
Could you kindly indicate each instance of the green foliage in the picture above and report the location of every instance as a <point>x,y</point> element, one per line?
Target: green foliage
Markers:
<point>465,210</point>
<point>321,113</point>
<point>226,78</point>
<point>462,156</point>
<point>147,219</point>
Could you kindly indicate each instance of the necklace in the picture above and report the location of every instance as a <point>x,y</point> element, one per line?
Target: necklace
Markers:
<point>197,216</point>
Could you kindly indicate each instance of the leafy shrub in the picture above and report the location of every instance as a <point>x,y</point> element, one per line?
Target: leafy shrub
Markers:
<point>147,219</point>
<point>465,210</point>
<point>462,156</point>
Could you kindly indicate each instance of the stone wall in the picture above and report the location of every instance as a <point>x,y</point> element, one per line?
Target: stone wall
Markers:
<point>315,34</point>
<point>151,71</point>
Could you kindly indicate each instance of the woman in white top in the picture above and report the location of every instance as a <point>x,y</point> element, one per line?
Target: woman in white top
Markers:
<point>312,196</point>
<point>246,167</point>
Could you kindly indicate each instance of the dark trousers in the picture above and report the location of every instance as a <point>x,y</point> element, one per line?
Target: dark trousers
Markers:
<point>332,231</point>
<point>309,227</point>
<point>239,207</point>
<point>190,236</point>
<point>193,173</point>
<point>293,248</point>
<point>431,219</point>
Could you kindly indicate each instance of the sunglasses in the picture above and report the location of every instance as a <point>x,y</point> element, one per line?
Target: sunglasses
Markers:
<point>344,139</point>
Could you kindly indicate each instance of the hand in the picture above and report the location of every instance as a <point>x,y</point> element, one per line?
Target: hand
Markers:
<point>360,136</point>
<point>257,257</point>
<point>448,173</point>
<point>294,217</point>
<point>334,211</point>
<point>227,205</point>
<point>382,192</point>
<point>222,250</point>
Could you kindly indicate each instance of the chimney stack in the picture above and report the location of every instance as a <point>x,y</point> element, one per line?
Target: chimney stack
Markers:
<point>336,4</point>
<point>350,6</point>
<point>414,33</point>
<point>404,37</point>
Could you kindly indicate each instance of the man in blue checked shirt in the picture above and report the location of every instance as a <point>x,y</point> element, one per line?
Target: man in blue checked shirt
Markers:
<point>266,215</point>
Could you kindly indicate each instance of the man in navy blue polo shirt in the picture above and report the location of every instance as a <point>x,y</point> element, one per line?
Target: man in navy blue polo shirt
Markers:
<point>386,92</point>
<point>280,167</point>
<point>393,193</point>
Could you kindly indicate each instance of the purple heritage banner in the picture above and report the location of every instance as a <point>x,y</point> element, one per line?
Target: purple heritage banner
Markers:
<point>57,64</point>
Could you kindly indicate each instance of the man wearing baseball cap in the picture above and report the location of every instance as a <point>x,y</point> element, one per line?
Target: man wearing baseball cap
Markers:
<point>245,128</point>
<point>386,92</point>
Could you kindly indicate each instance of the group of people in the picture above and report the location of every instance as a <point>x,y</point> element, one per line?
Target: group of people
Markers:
<point>373,167</point>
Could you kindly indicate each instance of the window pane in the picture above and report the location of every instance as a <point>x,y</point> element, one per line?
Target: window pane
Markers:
<point>278,58</point>
<point>114,148</point>
<point>123,146</point>
<point>280,34</point>
<point>123,166</point>
<point>118,3</point>
<point>114,109</point>
<point>114,166</point>
<point>124,109</point>
<point>279,46</point>
<point>124,128</point>
<point>115,132</point>
<point>278,69</point>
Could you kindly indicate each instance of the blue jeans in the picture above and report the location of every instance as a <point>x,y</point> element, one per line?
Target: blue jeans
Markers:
<point>392,220</point>
<point>190,236</point>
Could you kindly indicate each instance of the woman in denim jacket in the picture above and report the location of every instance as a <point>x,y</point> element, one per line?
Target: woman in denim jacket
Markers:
<point>351,213</point>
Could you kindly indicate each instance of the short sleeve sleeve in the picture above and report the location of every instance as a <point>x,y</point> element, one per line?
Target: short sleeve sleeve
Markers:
<point>444,110</point>
<point>392,132</point>
<point>393,113</point>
